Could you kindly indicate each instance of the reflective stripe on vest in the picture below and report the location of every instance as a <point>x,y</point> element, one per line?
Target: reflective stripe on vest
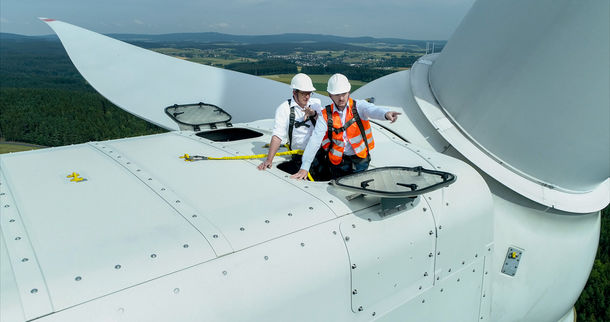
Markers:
<point>354,137</point>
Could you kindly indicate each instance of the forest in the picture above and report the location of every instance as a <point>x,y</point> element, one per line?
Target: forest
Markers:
<point>56,117</point>
<point>45,101</point>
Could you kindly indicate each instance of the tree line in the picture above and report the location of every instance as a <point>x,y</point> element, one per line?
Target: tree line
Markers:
<point>279,66</point>
<point>351,72</point>
<point>593,305</point>
<point>56,117</point>
<point>264,67</point>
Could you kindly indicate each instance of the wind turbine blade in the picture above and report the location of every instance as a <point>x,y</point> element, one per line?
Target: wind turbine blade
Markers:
<point>525,110</point>
<point>144,82</point>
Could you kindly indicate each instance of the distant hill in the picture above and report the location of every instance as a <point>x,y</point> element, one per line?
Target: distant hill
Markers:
<point>214,37</point>
<point>9,36</point>
<point>220,38</point>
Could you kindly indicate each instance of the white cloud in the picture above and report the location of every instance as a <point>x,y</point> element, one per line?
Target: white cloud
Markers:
<point>4,20</point>
<point>138,21</point>
<point>220,25</point>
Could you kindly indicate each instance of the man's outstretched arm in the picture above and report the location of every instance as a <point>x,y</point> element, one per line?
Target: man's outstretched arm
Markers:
<point>273,147</point>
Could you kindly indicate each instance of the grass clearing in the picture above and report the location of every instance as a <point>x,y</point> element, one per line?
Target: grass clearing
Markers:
<point>220,62</point>
<point>9,147</point>
<point>217,57</point>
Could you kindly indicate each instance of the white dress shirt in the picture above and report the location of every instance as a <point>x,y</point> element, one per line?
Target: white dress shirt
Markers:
<point>366,111</point>
<point>300,135</point>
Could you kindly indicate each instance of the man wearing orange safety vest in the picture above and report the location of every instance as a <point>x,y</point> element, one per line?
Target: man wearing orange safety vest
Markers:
<point>344,132</point>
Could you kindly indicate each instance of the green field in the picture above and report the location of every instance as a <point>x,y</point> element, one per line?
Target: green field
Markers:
<point>219,57</point>
<point>319,81</point>
<point>218,62</point>
<point>10,147</point>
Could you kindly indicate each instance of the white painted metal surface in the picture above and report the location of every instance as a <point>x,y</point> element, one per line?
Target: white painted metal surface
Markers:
<point>233,202</point>
<point>298,277</point>
<point>559,250</point>
<point>88,238</point>
<point>11,306</point>
<point>522,183</point>
<point>447,300</point>
<point>530,105</point>
<point>548,236</point>
<point>390,256</point>
<point>20,261</point>
<point>295,242</point>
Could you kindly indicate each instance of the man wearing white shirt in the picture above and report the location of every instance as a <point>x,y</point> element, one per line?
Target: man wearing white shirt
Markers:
<point>346,146</point>
<point>294,122</point>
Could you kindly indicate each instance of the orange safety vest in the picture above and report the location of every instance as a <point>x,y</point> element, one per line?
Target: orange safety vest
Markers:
<point>354,136</point>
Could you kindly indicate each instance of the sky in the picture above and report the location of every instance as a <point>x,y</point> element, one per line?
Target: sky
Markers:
<point>407,19</point>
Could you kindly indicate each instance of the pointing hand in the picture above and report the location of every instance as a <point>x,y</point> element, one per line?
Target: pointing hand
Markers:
<point>392,116</point>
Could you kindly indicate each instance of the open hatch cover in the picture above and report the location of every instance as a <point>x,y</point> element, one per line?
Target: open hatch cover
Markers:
<point>394,182</point>
<point>198,116</point>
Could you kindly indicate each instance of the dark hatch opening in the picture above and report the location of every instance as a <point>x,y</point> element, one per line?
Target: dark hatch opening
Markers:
<point>229,134</point>
<point>288,167</point>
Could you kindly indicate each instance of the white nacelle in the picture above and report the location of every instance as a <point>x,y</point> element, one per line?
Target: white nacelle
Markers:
<point>148,236</point>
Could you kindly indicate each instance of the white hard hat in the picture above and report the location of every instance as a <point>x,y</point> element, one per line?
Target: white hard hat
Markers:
<point>338,84</point>
<point>302,83</point>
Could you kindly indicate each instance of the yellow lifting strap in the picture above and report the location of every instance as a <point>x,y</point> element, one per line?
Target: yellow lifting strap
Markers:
<point>187,157</point>
<point>190,158</point>
<point>310,177</point>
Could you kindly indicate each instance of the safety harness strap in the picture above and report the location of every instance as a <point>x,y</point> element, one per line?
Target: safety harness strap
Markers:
<point>293,123</point>
<point>345,126</point>
<point>361,128</point>
<point>298,124</point>
<point>290,124</point>
<point>329,123</point>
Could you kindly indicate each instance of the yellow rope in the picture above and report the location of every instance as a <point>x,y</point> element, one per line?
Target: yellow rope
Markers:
<point>309,176</point>
<point>186,157</point>
<point>256,156</point>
